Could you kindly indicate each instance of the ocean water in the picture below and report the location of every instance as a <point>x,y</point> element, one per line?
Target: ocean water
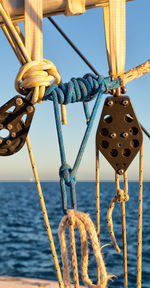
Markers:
<point>24,247</point>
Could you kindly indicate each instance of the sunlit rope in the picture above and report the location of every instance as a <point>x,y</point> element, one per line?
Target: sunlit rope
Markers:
<point>36,74</point>
<point>48,228</point>
<point>121,197</point>
<point>139,254</point>
<point>83,222</point>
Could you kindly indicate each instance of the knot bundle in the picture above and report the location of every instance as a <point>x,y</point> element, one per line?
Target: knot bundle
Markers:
<point>84,224</point>
<point>121,196</point>
<point>38,75</point>
<point>80,89</point>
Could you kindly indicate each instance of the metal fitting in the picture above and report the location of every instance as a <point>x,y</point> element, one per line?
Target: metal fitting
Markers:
<point>29,109</point>
<point>13,134</point>
<point>8,142</point>
<point>110,103</point>
<point>123,90</point>
<point>113,135</point>
<point>125,102</point>
<point>19,101</point>
<point>120,171</point>
<point>9,126</point>
<point>125,134</point>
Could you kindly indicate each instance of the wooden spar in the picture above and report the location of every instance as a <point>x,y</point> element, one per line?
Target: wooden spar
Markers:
<point>50,7</point>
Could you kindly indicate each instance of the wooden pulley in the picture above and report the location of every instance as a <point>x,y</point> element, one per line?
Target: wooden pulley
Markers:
<point>12,122</point>
<point>119,135</point>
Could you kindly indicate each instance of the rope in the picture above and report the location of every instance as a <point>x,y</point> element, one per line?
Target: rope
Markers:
<point>83,222</point>
<point>36,74</point>
<point>47,223</point>
<point>97,194</point>
<point>139,256</point>
<point>69,93</point>
<point>135,73</point>
<point>121,196</point>
<point>80,89</point>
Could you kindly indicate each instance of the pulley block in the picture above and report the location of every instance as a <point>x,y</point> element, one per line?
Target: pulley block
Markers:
<point>15,120</point>
<point>119,135</point>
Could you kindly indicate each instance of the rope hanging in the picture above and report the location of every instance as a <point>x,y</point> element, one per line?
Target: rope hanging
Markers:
<point>84,223</point>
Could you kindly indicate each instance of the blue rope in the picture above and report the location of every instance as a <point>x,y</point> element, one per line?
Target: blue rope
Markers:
<point>76,90</point>
<point>80,89</point>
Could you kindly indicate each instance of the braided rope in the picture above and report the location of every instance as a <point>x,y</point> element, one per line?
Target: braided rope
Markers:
<point>83,222</point>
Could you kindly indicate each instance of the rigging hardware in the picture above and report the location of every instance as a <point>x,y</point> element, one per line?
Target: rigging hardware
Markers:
<point>13,122</point>
<point>119,135</point>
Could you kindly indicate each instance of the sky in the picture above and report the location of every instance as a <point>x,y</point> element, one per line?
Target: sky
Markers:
<point>87,32</point>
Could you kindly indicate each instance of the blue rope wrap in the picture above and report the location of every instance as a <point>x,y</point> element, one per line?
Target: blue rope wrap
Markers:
<point>76,90</point>
<point>80,89</point>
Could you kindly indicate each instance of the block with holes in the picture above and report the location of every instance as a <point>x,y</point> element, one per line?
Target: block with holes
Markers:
<point>119,135</point>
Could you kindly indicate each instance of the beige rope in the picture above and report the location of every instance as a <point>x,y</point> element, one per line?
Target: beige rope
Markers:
<point>139,256</point>
<point>123,217</point>
<point>97,204</point>
<point>97,194</point>
<point>83,222</point>
<point>121,196</point>
<point>134,73</point>
<point>48,228</point>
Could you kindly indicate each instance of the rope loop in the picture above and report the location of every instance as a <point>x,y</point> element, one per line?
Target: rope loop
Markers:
<point>83,222</point>
<point>36,74</point>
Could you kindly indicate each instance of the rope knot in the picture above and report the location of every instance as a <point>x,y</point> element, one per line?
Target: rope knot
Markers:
<point>65,173</point>
<point>36,74</point>
<point>120,195</point>
<point>71,218</point>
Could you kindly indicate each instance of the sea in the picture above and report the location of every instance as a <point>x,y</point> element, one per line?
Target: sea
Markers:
<point>24,246</point>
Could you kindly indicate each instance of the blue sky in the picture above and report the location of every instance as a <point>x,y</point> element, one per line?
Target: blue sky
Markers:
<point>87,32</point>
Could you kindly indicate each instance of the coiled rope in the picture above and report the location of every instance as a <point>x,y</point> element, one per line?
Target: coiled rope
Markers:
<point>84,223</point>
